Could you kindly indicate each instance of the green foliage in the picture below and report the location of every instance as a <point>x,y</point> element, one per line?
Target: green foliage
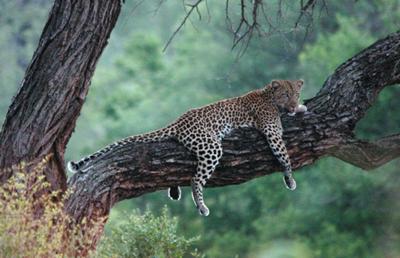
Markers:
<point>336,212</point>
<point>146,236</point>
<point>145,58</point>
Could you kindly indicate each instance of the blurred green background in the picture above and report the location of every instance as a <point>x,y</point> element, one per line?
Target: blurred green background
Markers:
<point>337,211</point>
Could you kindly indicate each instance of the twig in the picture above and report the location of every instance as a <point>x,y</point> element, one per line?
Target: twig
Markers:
<point>192,7</point>
<point>304,9</point>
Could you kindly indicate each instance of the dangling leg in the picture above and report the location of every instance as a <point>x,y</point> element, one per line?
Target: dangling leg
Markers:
<point>278,148</point>
<point>208,158</point>
<point>174,193</point>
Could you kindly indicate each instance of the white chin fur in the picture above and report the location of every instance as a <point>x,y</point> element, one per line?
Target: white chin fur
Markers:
<point>71,168</point>
<point>301,109</point>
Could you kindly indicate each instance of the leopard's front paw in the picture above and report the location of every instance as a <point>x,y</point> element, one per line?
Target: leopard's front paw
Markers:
<point>290,183</point>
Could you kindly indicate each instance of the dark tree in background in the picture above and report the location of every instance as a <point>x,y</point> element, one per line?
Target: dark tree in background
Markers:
<point>43,114</point>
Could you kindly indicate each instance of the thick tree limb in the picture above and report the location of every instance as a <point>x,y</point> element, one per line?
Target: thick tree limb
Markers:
<point>136,169</point>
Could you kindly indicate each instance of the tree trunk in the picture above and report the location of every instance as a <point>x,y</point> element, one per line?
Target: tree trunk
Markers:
<point>139,168</point>
<point>42,117</point>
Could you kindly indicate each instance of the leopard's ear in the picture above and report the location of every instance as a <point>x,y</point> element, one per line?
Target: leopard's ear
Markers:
<point>275,84</point>
<point>299,83</point>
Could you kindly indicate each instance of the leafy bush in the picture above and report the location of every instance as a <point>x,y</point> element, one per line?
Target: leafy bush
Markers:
<point>32,224</point>
<point>146,236</point>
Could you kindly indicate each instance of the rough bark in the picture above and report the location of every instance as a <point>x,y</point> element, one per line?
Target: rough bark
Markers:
<point>139,168</point>
<point>42,116</point>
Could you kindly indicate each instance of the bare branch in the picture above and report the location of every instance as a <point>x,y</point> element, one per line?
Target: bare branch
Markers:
<point>208,12</point>
<point>309,6</point>
<point>160,3</point>
<point>245,30</point>
<point>249,22</point>
<point>227,17</point>
<point>192,7</point>
<point>133,9</point>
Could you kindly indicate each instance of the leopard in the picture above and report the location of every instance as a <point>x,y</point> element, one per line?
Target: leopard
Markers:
<point>201,131</point>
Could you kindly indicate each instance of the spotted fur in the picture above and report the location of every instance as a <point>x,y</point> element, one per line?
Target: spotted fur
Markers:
<point>201,130</point>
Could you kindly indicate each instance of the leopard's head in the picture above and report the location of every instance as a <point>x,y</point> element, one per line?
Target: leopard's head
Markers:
<point>286,93</point>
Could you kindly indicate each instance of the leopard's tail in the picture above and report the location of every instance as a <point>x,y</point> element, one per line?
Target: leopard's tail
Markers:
<point>86,162</point>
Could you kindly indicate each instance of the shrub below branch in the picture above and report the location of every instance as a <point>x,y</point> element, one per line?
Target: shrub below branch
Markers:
<point>33,225</point>
<point>147,236</point>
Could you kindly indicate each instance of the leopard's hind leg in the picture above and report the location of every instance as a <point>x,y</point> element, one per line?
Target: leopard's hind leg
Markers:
<point>208,151</point>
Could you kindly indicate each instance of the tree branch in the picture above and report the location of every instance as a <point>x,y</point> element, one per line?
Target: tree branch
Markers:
<point>139,168</point>
<point>249,22</point>
<point>355,84</point>
<point>192,8</point>
<point>369,155</point>
<point>304,8</point>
